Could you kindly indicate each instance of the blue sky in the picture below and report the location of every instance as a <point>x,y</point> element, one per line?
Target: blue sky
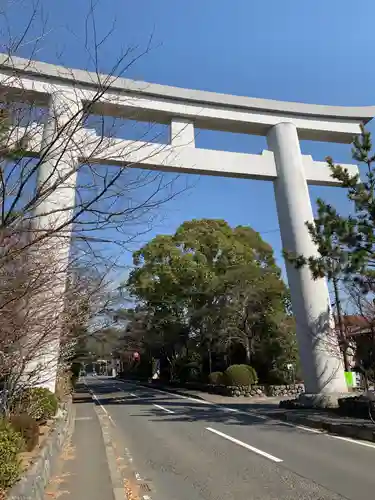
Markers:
<point>299,50</point>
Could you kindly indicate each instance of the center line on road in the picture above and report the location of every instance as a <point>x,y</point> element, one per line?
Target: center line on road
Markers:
<point>162,408</point>
<point>244,445</point>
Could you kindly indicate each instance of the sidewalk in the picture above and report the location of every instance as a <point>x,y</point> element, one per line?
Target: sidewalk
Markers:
<point>325,420</point>
<point>83,471</point>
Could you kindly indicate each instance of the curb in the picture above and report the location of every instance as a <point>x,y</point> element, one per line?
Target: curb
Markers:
<point>116,479</point>
<point>32,484</point>
<point>114,474</point>
<point>364,432</point>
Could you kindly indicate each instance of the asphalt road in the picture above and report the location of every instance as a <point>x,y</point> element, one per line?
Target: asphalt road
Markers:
<point>187,449</point>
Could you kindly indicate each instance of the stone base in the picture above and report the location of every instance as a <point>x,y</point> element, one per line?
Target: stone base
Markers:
<point>329,400</point>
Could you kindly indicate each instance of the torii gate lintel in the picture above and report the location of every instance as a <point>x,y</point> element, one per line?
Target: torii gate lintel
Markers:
<point>284,124</point>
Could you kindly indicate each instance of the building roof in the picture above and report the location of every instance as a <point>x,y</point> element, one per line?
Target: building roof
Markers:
<point>357,325</point>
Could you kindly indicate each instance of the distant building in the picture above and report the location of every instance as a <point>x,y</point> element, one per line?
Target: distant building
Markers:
<point>359,331</point>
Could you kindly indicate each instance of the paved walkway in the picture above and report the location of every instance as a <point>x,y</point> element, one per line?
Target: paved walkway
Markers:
<point>83,472</point>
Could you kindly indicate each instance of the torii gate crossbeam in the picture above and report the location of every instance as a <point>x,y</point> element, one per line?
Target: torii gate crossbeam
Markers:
<point>283,123</point>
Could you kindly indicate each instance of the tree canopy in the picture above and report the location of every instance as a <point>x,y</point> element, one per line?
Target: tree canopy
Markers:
<point>213,292</point>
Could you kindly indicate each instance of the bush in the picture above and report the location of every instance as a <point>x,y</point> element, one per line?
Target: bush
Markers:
<point>28,427</point>
<point>216,378</point>
<point>38,402</point>
<point>240,375</point>
<point>188,371</point>
<point>11,444</point>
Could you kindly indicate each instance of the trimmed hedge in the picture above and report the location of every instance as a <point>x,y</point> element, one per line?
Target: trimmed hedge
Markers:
<point>216,378</point>
<point>240,375</point>
<point>11,444</point>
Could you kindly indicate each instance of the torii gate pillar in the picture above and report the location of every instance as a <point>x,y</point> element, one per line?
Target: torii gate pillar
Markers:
<point>317,341</point>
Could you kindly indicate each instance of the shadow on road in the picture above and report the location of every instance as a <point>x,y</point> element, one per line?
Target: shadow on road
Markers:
<point>185,410</point>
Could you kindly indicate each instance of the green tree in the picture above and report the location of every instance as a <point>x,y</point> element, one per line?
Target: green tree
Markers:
<point>347,243</point>
<point>208,285</point>
<point>255,313</point>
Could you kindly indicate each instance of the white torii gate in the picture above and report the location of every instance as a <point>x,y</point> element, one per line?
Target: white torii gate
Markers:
<point>66,91</point>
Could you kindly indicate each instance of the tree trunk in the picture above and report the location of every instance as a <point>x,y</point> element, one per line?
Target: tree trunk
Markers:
<point>343,340</point>
<point>247,350</point>
<point>209,359</point>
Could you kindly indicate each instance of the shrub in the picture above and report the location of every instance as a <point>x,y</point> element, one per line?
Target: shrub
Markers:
<point>38,402</point>
<point>188,371</point>
<point>253,374</point>
<point>216,378</point>
<point>240,375</point>
<point>11,444</point>
<point>28,427</point>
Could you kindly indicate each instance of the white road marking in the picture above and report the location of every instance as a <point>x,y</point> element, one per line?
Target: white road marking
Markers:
<point>245,445</point>
<point>309,429</point>
<point>255,415</point>
<point>111,419</point>
<point>225,408</point>
<point>183,397</point>
<point>132,394</point>
<point>263,417</point>
<point>78,419</point>
<point>288,424</point>
<point>99,403</point>
<point>350,440</point>
<point>162,408</point>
